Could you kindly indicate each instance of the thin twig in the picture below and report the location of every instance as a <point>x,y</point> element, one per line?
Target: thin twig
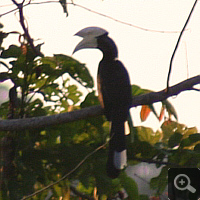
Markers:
<point>122,22</point>
<point>95,12</point>
<point>20,7</point>
<point>69,173</point>
<point>178,41</point>
<point>151,161</point>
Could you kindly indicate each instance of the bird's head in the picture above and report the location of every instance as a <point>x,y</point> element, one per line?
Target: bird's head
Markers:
<point>95,37</point>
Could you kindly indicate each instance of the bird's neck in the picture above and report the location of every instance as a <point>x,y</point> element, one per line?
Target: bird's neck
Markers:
<point>108,57</point>
<point>108,48</point>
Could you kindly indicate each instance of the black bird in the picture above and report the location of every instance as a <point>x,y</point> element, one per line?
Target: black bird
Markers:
<point>114,93</point>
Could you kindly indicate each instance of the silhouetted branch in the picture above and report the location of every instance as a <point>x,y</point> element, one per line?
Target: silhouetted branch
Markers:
<point>25,29</point>
<point>178,41</point>
<point>152,161</point>
<point>95,12</point>
<point>93,111</point>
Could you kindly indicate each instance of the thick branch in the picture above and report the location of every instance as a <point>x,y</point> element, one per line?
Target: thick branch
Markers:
<point>93,111</point>
<point>154,97</point>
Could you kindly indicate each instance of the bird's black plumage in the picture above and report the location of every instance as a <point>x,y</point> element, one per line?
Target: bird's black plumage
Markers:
<point>114,92</point>
<point>115,97</point>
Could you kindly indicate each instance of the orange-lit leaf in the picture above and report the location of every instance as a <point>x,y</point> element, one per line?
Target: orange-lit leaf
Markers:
<point>162,112</point>
<point>144,112</point>
<point>24,49</point>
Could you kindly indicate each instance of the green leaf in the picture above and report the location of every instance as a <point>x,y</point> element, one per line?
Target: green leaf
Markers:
<point>12,51</point>
<point>13,188</point>
<point>147,134</point>
<point>174,140</point>
<point>170,109</point>
<point>105,185</point>
<point>2,36</point>
<point>75,69</point>
<point>130,186</point>
<point>31,54</point>
<point>73,93</point>
<point>136,90</point>
<point>170,127</point>
<point>4,76</point>
<point>90,100</point>
<point>190,140</point>
<point>159,183</point>
<point>47,68</point>
<point>64,64</point>
<point>189,131</point>
<point>49,91</point>
<point>194,137</point>
<point>197,148</point>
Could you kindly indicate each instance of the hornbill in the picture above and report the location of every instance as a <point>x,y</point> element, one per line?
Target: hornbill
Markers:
<point>114,93</point>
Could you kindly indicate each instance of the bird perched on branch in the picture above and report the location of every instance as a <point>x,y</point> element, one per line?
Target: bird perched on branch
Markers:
<point>114,93</point>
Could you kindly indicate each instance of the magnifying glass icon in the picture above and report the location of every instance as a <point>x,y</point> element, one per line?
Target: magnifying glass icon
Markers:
<point>182,182</point>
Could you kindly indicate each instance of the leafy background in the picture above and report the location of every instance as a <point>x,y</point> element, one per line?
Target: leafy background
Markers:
<point>32,159</point>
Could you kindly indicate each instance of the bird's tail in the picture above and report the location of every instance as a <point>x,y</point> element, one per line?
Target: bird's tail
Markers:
<point>117,158</point>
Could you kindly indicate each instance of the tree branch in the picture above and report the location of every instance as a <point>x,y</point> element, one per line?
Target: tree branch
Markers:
<point>152,161</point>
<point>93,111</point>
<point>25,29</point>
<point>178,41</point>
<point>95,12</point>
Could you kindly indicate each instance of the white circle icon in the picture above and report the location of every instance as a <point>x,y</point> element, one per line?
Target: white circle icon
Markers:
<point>181,184</point>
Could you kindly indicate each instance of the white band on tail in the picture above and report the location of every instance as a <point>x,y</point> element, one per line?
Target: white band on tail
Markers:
<point>120,159</point>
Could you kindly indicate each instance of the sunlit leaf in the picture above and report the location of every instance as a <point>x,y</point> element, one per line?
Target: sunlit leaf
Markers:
<point>189,131</point>
<point>190,140</point>
<point>73,93</point>
<point>170,127</point>
<point>148,135</point>
<point>136,90</point>
<point>144,113</point>
<point>162,112</point>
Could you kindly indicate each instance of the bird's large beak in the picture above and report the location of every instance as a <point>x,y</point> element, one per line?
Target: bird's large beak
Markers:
<point>87,42</point>
<point>89,36</point>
